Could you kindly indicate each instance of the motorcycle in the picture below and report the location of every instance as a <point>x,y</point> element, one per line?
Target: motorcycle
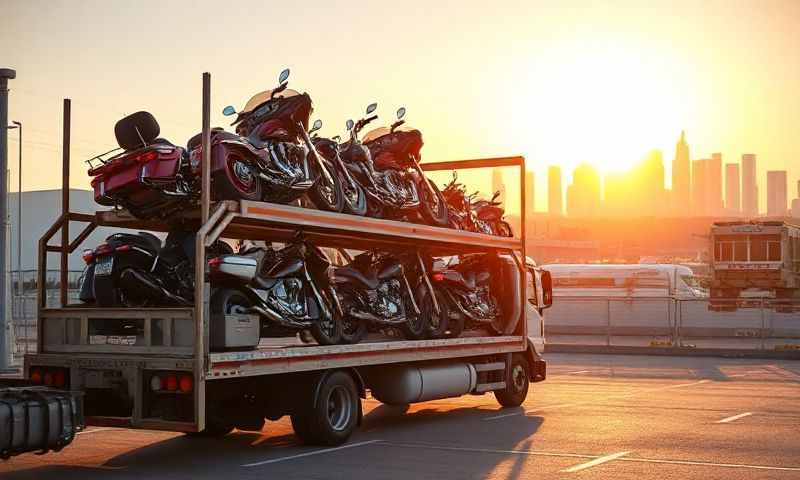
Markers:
<point>469,294</point>
<point>374,291</point>
<point>354,195</point>
<point>147,175</point>
<point>136,270</point>
<point>467,213</point>
<point>397,149</point>
<point>459,212</point>
<point>290,289</point>
<point>272,145</point>
<point>389,195</point>
<point>490,213</point>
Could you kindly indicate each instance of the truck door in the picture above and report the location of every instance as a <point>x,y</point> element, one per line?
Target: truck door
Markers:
<point>533,317</point>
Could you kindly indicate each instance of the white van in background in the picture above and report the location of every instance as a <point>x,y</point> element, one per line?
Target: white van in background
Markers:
<point>629,280</point>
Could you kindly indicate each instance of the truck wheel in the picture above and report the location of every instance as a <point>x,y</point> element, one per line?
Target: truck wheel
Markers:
<point>517,383</point>
<point>333,415</point>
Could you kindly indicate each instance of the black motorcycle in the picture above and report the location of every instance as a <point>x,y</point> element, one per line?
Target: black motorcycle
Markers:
<point>375,293</point>
<point>396,151</point>
<point>136,270</point>
<point>353,194</point>
<point>289,289</point>
<point>468,291</point>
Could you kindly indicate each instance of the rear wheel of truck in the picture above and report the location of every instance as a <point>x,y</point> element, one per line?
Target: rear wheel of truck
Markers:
<point>333,413</point>
<point>517,383</point>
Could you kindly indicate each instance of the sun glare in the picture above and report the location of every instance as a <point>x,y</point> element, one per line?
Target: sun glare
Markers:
<point>605,105</point>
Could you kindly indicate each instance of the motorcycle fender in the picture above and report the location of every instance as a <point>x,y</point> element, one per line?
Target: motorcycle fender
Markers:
<point>165,167</point>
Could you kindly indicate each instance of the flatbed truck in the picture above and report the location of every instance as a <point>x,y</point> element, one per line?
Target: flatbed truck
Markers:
<point>163,375</point>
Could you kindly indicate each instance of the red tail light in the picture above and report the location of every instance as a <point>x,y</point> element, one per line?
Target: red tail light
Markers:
<point>88,257</point>
<point>214,263</point>
<point>170,383</point>
<point>147,156</point>
<point>123,248</point>
<point>36,375</point>
<point>186,383</point>
<point>438,277</point>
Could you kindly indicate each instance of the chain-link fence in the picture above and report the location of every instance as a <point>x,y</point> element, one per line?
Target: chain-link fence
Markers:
<point>24,307</point>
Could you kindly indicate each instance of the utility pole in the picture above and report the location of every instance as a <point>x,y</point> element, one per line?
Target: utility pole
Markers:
<point>6,74</point>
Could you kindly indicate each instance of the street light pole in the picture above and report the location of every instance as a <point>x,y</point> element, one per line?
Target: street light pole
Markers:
<point>19,212</point>
<point>6,74</point>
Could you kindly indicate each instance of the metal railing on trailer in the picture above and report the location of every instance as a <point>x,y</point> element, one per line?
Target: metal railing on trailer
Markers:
<point>273,222</point>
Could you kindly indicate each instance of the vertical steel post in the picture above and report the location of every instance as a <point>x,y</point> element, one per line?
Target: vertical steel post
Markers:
<point>65,201</point>
<point>6,74</point>
<point>523,220</point>
<point>19,213</point>
<point>201,287</point>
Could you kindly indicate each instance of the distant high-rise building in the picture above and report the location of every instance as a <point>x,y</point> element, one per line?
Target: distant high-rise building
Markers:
<point>749,185</point>
<point>651,193</point>
<point>681,178</point>
<point>554,196</point>
<point>530,192</point>
<point>700,207</point>
<point>796,203</point>
<point>583,195</point>
<point>714,191</point>
<point>776,193</point>
<point>732,203</point>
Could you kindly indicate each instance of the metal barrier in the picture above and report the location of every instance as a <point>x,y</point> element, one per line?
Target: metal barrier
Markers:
<point>746,324</point>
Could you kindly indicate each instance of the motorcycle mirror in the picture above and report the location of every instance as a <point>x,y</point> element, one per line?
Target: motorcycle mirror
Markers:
<point>228,111</point>
<point>401,112</point>
<point>371,108</point>
<point>283,76</point>
<point>317,125</point>
<point>349,124</point>
<point>336,138</point>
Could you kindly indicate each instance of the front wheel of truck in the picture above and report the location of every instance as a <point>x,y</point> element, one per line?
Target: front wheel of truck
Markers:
<point>517,382</point>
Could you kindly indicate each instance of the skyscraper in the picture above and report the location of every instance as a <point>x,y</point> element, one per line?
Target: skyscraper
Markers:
<point>530,191</point>
<point>776,193</point>
<point>749,185</point>
<point>732,204</point>
<point>554,201</point>
<point>681,178</point>
<point>700,207</point>
<point>796,203</point>
<point>714,191</point>
<point>583,195</point>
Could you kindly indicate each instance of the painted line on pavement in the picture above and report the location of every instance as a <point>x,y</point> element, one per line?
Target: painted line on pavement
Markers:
<point>595,462</point>
<point>734,418</point>
<point>619,457</point>
<point>308,454</point>
<point>579,371</point>
<point>610,397</point>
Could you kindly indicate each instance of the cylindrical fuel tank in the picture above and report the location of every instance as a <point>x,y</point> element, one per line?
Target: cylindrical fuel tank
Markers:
<point>400,385</point>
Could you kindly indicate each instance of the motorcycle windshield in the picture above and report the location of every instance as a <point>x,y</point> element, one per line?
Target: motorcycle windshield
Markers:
<point>381,131</point>
<point>263,97</point>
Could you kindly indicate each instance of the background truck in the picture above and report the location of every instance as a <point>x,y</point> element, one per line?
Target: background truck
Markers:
<point>760,258</point>
<point>162,374</point>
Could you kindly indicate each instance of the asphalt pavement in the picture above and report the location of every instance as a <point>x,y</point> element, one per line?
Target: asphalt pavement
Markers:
<point>596,416</point>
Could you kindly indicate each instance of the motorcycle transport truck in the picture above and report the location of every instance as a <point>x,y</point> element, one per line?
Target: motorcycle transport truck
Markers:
<point>190,370</point>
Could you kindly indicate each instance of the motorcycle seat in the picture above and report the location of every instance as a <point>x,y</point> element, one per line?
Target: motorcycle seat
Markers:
<point>349,275</point>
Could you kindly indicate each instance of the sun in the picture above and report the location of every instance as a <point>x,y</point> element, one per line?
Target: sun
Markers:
<point>607,105</point>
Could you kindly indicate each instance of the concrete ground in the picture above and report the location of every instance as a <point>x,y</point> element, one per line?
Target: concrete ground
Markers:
<point>596,416</point>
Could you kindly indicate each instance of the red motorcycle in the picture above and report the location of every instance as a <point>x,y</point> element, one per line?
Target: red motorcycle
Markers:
<point>397,149</point>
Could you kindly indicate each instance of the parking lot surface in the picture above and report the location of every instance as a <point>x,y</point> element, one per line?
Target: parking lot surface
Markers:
<point>596,416</point>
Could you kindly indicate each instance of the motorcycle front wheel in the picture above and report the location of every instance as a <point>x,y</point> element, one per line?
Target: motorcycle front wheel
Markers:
<point>326,195</point>
<point>355,198</point>
<point>327,330</point>
<point>432,206</point>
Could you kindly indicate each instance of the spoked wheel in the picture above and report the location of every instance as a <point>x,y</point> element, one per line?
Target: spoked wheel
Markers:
<point>332,415</point>
<point>326,195</point>
<point>517,382</point>
<point>432,205</point>
<point>237,181</point>
<point>416,325</point>
<point>437,323</point>
<point>355,198</point>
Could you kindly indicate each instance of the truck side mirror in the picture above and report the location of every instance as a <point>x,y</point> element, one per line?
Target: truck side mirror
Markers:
<point>547,289</point>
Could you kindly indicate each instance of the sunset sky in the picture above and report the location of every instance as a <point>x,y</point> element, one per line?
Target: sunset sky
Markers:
<point>558,82</point>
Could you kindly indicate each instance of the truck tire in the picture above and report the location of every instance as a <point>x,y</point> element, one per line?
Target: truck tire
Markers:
<point>333,413</point>
<point>517,382</point>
